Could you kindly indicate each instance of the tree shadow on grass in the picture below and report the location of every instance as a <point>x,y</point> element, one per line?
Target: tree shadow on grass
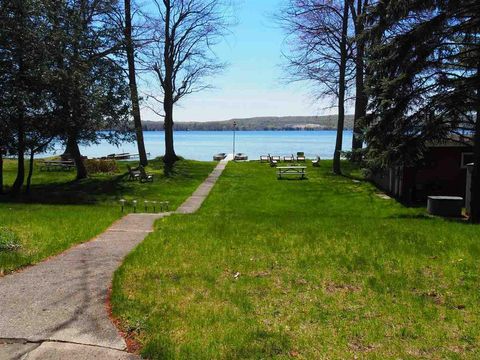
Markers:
<point>292,178</point>
<point>88,191</point>
<point>103,188</point>
<point>412,216</point>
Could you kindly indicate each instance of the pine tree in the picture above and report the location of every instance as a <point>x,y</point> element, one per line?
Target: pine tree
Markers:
<point>423,80</point>
<point>23,72</point>
<point>91,92</point>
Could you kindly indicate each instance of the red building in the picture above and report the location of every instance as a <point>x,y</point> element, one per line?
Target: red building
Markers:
<point>443,171</point>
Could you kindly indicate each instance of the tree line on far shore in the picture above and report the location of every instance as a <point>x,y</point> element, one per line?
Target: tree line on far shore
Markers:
<point>327,122</point>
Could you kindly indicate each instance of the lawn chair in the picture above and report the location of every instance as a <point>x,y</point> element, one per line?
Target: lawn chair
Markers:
<point>275,158</point>
<point>144,176</point>
<point>264,158</point>
<point>273,163</point>
<point>301,156</point>
<point>288,158</point>
<point>316,162</point>
<point>133,174</point>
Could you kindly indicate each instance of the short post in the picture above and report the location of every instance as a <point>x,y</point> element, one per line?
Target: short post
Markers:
<point>234,128</point>
<point>134,202</point>
<point>146,205</point>
<point>122,204</point>
<point>154,206</point>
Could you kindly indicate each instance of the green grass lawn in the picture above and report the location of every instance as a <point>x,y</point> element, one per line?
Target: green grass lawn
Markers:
<point>61,212</point>
<point>315,269</point>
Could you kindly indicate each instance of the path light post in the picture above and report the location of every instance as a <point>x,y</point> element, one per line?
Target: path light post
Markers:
<point>234,128</point>
<point>122,204</point>
<point>146,205</point>
<point>134,202</point>
<point>154,206</point>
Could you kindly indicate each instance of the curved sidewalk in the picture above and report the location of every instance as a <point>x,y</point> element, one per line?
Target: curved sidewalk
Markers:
<point>57,309</point>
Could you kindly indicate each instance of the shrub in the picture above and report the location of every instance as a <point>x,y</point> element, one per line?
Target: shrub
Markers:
<point>95,166</point>
<point>9,241</point>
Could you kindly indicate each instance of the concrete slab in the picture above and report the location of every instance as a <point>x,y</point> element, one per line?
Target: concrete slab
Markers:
<point>16,351</point>
<point>62,351</point>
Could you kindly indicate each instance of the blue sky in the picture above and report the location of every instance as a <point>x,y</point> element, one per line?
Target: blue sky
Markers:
<point>253,83</point>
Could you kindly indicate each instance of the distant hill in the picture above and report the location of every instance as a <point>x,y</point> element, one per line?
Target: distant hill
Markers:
<point>328,122</point>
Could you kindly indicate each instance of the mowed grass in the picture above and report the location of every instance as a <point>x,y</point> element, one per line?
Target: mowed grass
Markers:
<point>61,212</point>
<point>315,269</point>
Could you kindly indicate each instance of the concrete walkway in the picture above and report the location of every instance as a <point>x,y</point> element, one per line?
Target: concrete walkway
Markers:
<point>57,309</point>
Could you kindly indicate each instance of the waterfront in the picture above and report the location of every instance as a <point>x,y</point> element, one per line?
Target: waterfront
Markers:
<point>201,145</point>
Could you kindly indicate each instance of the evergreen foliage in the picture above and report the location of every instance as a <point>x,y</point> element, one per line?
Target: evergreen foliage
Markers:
<point>424,81</point>
<point>422,77</point>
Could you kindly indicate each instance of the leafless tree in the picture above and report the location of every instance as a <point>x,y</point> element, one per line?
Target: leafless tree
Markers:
<point>358,10</point>
<point>321,48</point>
<point>132,80</point>
<point>182,53</point>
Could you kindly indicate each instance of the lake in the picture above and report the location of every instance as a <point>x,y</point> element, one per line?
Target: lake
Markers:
<point>201,145</point>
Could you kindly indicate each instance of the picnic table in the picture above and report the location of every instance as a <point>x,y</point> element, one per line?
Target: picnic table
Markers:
<point>292,170</point>
<point>49,165</point>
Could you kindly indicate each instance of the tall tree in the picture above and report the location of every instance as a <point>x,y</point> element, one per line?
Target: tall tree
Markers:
<point>358,12</point>
<point>318,32</point>
<point>423,81</point>
<point>182,56</point>
<point>22,73</point>
<point>90,87</point>
<point>132,78</point>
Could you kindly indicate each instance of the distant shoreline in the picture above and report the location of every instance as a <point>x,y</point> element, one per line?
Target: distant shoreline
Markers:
<point>286,123</point>
<point>226,130</point>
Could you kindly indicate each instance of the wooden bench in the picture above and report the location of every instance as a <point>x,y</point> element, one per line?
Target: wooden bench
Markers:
<point>292,170</point>
<point>53,165</point>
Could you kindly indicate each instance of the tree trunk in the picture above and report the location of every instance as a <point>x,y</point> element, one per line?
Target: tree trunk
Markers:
<point>30,172</point>
<point>133,84</point>
<point>68,150</point>
<point>20,179</point>
<point>77,157</point>
<point>170,157</point>
<point>475,185</point>
<point>341,91</point>
<point>361,100</point>
<point>1,170</point>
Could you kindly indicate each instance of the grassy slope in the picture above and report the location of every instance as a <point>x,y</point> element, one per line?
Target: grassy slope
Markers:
<point>60,212</point>
<point>312,269</point>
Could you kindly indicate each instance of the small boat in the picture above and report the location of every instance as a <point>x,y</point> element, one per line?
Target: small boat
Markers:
<point>219,156</point>
<point>240,156</point>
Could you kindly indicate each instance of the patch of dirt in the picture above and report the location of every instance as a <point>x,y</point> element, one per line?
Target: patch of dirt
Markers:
<point>133,346</point>
<point>435,296</point>
<point>332,288</point>
<point>260,274</point>
<point>301,282</point>
<point>357,346</point>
